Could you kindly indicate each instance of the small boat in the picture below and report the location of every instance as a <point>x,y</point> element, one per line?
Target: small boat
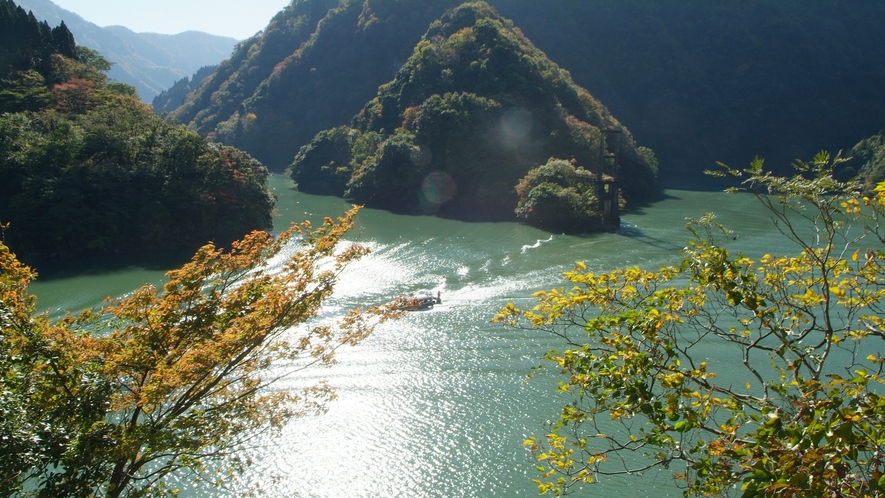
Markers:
<point>418,302</point>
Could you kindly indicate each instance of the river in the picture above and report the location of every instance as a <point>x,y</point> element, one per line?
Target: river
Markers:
<point>438,403</point>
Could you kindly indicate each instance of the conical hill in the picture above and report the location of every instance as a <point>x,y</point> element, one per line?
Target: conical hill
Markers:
<point>479,124</point>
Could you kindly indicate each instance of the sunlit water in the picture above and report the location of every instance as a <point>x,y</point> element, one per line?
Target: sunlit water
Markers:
<point>438,403</point>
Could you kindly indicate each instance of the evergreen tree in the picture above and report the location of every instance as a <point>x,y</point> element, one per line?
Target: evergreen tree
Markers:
<point>63,41</point>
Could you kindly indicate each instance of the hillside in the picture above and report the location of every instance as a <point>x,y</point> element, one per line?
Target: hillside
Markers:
<point>698,83</point>
<point>701,82</point>
<point>150,62</point>
<point>176,95</point>
<point>463,127</point>
<point>313,67</point>
<point>868,161</point>
<point>88,169</point>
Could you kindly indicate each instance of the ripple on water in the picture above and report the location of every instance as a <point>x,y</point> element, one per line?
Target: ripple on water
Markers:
<point>437,404</point>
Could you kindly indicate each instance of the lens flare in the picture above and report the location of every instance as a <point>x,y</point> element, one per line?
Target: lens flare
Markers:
<point>437,189</point>
<point>516,123</point>
<point>421,156</point>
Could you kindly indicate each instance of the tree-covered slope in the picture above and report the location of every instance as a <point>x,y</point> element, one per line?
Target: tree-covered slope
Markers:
<point>252,62</point>
<point>867,160</point>
<point>28,45</point>
<point>176,95</point>
<point>470,113</point>
<point>698,82</point>
<point>119,177</point>
<point>87,168</point>
<point>312,68</point>
<point>358,46</point>
<point>701,82</point>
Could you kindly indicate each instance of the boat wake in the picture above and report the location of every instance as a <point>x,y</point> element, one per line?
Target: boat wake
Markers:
<point>536,245</point>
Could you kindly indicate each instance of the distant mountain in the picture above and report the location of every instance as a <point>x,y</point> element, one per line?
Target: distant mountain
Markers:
<point>698,82</point>
<point>176,95</point>
<point>150,62</point>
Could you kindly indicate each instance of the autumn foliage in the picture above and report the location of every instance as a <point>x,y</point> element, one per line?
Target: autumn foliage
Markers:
<point>761,374</point>
<point>113,400</point>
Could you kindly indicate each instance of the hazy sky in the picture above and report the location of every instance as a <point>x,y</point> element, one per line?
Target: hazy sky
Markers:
<point>237,18</point>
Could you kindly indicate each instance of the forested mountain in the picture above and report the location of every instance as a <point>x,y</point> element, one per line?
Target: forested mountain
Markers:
<point>463,127</point>
<point>87,168</point>
<point>301,75</point>
<point>698,82</point>
<point>150,62</point>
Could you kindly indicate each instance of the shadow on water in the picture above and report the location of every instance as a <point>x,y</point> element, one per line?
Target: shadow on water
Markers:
<point>49,269</point>
<point>696,182</point>
<point>640,208</point>
<point>318,206</point>
<point>637,234</point>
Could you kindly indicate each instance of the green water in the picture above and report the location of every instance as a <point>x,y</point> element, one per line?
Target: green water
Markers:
<point>439,403</point>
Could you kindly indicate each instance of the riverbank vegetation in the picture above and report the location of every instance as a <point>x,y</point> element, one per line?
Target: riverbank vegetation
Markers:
<point>644,350</point>
<point>87,168</point>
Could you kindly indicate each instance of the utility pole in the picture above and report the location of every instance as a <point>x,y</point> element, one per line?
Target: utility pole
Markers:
<point>607,190</point>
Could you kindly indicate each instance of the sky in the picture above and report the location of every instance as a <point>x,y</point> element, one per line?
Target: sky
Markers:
<point>237,18</point>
